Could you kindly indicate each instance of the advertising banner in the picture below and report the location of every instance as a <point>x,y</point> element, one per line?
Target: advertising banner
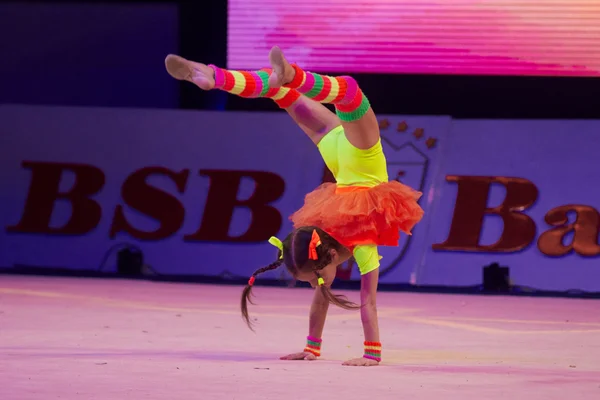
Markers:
<point>199,193</point>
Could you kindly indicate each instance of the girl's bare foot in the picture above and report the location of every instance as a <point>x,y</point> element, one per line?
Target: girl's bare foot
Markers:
<point>283,72</point>
<point>199,74</point>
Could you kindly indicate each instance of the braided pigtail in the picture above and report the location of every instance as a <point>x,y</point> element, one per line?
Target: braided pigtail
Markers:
<point>335,299</point>
<point>247,293</point>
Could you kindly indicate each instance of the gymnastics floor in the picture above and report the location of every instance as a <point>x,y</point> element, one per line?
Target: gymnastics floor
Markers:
<point>67,338</point>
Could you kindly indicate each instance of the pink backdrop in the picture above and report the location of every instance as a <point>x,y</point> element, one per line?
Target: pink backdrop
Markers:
<point>481,37</point>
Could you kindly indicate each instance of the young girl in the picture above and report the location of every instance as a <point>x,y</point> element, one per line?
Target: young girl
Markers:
<point>352,217</point>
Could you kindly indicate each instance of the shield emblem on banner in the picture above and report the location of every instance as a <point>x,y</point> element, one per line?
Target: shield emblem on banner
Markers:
<point>407,164</point>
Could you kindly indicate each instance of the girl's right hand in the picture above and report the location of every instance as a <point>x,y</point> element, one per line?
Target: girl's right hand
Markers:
<point>300,356</point>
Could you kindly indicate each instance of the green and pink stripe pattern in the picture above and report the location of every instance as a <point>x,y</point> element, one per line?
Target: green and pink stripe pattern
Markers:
<point>343,91</point>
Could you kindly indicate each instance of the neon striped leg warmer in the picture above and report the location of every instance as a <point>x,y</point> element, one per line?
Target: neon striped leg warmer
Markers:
<point>253,84</point>
<point>313,345</point>
<point>350,102</point>
<point>372,351</point>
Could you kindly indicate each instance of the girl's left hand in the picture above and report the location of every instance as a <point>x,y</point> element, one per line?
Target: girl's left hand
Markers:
<point>361,362</point>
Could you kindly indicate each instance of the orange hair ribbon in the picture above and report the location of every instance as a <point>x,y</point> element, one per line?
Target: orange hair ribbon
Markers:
<point>315,241</point>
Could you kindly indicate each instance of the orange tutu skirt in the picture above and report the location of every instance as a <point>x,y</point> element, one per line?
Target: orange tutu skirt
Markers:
<point>356,215</point>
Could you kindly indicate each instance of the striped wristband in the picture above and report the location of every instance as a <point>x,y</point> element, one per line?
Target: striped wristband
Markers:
<point>373,351</point>
<point>313,345</point>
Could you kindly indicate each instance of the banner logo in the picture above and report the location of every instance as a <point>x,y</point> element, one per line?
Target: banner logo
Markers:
<point>138,195</point>
<point>519,229</point>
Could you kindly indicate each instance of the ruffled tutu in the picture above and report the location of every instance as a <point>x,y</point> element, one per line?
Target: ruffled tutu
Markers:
<point>356,215</point>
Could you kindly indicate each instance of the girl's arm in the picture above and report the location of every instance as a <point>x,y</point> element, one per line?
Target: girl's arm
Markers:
<point>368,302</point>
<point>316,323</point>
<point>318,314</point>
<point>367,259</point>
<point>368,315</point>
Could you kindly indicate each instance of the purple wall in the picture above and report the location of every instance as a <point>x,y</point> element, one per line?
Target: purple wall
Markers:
<point>201,192</point>
<point>88,54</point>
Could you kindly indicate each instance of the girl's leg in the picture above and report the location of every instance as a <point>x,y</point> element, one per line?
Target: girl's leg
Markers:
<point>249,84</point>
<point>352,106</point>
<point>312,117</point>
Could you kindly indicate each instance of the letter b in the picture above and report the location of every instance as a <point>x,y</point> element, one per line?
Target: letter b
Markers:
<point>471,208</point>
<point>44,192</point>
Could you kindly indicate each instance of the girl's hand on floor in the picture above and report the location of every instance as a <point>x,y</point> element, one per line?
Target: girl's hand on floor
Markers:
<point>361,362</point>
<point>300,356</point>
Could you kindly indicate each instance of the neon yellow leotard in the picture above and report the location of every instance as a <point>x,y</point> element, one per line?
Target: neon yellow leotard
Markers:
<point>355,167</point>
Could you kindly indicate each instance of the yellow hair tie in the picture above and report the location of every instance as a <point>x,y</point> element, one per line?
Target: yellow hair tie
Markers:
<point>321,281</point>
<point>277,243</point>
